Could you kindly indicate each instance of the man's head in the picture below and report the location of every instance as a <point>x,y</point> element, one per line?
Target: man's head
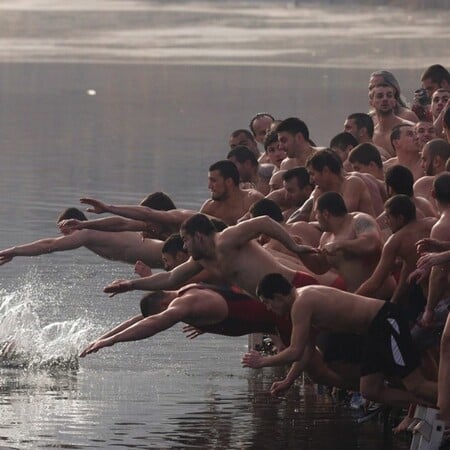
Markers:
<point>155,303</point>
<point>360,125</point>
<point>342,144</point>
<point>366,158</point>
<point>441,188</point>
<point>425,131</point>
<point>245,161</point>
<point>400,210</point>
<point>330,205</point>
<point>435,77</point>
<point>434,156</point>
<point>161,202</point>
<point>197,233</point>
<point>385,77</point>
<point>323,166</point>
<point>297,184</point>
<point>382,99</point>
<point>243,137</point>
<point>399,180</point>
<point>277,294</point>
<point>439,100</point>
<point>260,124</point>
<point>292,135</point>
<point>272,149</point>
<point>223,177</point>
<point>70,213</point>
<point>173,252</point>
<point>404,139</point>
<point>266,207</point>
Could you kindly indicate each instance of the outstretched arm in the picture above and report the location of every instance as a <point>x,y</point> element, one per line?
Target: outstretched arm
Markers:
<point>137,212</point>
<point>42,246</point>
<point>137,330</point>
<point>115,223</point>
<point>163,280</point>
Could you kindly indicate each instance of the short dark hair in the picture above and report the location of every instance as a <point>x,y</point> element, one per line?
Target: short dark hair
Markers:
<point>343,140</point>
<point>247,133</point>
<point>365,154</point>
<point>227,169</point>
<point>400,179</point>
<point>259,116</point>
<point>437,74</point>
<point>219,225</point>
<point>441,186</point>
<point>325,158</point>
<point>401,205</point>
<point>173,244</point>
<point>363,120</point>
<point>71,213</point>
<point>158,200</point>
<point>293,125</point>
<point>267,207</point>
<point>333,203</point>
<point>271,284</point>
<point>243,154</point>
<point>270,139</point>
<point>198,223</point>
<point>151,303</point>
<point>302,175</point>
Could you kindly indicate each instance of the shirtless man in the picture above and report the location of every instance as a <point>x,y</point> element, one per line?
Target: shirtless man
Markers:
<point>435,77</point>
<point>434,157</point>
<point>325,170</point>
<point>293,138</point>
<point>316,308</point>
<point>342,144</point>
<point>405,143</point>
<point>259,125</point>
<point>207,308</point>
<point>126,246</point>
<point>252,174</point>
<point>232,254</point>
<point>382,99</point>
<point>407,230</point>
<point>243,137</point>
<point>361,126</point>
<point>351,244</point>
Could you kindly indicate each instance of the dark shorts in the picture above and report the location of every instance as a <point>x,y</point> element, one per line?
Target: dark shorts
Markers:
<point>341,347</point>
<point>389,347</point>
<point>413,303</point>
<point>429,337</point>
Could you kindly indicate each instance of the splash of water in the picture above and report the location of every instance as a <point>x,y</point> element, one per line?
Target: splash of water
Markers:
<point>26,343</point>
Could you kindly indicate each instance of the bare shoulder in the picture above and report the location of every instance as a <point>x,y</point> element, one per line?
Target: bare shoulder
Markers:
<point>208,207</point>
<point>253,195</point>
<point>424,182</point>
<point>363,222</point>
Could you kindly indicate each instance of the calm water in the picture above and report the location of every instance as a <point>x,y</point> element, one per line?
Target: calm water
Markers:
<point>171,80</point>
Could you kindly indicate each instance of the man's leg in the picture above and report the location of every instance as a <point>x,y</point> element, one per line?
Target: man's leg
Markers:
<point>444,375</point>
<point>421,387</point>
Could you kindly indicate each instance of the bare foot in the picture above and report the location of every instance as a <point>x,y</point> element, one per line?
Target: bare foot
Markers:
<point>404,424</point>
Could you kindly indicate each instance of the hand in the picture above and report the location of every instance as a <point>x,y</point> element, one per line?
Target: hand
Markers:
<point>331,248</point>
<point>6,256</point>
<point>95,346</point>
<point>428,245</point>
<point>97,206</point>
<point>70,225</point>
<point>252,359</point>
<point>117,287</point>
<point>142,269</point>
<point>280,386</point>
<point>428,260</point>
<point>192,332</point>
<point>418,275</point>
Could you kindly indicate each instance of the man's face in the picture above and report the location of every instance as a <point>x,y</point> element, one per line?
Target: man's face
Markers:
<point>169,261</point>
<point>288,143</point>
<point>383,100</point>
<point>317,178</point>
<point>438,102</point>
<point>426,161</point>
<point>350,127</point>
<point>294,194</point>
<point>242,139</point>
<point>275,154</point>
<point>217,186</point>
<point>407,140</point>
<point>322,217</point>
<point>394,223</point>
<point>425,132</point>
<point>193,245</point>
<point>260,127</point>
<point>276,304</point>
<point>430,86</point>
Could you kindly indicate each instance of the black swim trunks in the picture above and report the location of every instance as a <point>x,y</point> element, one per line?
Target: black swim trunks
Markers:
<point>389,347</point>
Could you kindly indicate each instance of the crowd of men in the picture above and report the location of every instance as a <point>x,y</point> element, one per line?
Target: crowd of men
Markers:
<point>347,246</point>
